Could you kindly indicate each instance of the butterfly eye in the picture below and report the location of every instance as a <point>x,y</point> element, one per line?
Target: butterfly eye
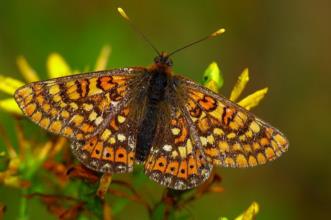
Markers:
<point>205,78</point>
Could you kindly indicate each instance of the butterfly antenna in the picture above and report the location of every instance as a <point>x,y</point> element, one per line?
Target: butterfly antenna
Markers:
<point>126,17</point>
<point>214,34</point>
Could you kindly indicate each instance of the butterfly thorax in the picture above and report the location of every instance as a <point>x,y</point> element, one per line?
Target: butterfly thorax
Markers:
<point>158,83</point>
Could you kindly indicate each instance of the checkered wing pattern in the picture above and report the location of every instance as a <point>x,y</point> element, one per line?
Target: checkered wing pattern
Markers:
<point>78,106</point>
<point>98,111</point>
<point>176,159</point>
<point>113,149</point>
<point>230,135</point>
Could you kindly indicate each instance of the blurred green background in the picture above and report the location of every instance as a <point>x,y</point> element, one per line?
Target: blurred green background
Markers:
<point>285,44</point>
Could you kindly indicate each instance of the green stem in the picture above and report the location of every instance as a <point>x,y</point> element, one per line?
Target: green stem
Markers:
<point>23,213</point>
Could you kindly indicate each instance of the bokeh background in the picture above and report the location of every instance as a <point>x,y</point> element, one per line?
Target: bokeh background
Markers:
<point>285,44</point>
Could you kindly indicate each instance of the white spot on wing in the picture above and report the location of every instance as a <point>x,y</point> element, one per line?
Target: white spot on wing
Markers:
<point>121,137</point>
<point>167,147</point>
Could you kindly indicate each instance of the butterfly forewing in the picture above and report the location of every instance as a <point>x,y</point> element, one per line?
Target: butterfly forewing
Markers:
<point>175,159</point>
<point>230,135</point>
<point>78,106</point>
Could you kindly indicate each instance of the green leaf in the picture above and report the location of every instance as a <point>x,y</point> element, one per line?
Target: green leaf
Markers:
<point>119,205</point>
<point>87,193</point>
<point>158,212</point>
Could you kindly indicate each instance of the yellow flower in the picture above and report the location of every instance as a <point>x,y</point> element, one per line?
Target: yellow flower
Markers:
<point>56,67</point>
<point>213,79</point>
<point>248,214</point>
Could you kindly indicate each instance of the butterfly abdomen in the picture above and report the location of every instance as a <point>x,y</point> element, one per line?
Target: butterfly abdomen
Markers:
<point>147,128</point>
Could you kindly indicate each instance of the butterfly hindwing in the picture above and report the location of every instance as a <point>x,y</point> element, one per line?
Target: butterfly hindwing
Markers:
<point>230,135</point>
<point>78,106</point>
<point>113,150</point>
<point>175,160</point>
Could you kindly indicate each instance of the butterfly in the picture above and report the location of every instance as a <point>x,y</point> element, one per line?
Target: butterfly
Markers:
<point>175,127</point>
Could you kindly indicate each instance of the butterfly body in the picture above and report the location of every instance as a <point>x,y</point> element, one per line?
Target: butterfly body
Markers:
<point>159,81</point>
<point>177,128</point>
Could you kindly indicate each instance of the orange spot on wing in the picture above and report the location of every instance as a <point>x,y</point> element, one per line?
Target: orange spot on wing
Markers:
<point>67,131</point>
<point>208,103</point>
<point>46,107</point>
<point>38,88</point>
<point>269,132</point>
<point>252,161</point>
<point>160,164</point>
<point>241,161</point>
<point>261,158</point>
<point>113,124</point>
<point>182,137</point>
<point>184,130</point>
<point>30,109</point>
<point>182,170</point>
<point>270,154</point>
<point>97,152</point>
<point>53,112</point>
<point>79,136</point>
<point>108,154</point>
<point>203,125</point>
<point>65,114</point>
<point>229,162</point>
<point>89,145</point>
<point>280,139</point>
<point>36,116</point>
<point>228,115</point>
<point>212,152</point>
<point>172,168</point>
<point>28,99</point>
<point>24,92</point>
<point>106,83</point>
<point>44,122</point>
<point>192,166</point>
<point>121,155</point>
<point>55,126</point>
<point>77,120</point>
<point>86,128</point>
<point>84,85</point>
<point>40,99</point>
<point>126,111</point>
<point>264,141</point>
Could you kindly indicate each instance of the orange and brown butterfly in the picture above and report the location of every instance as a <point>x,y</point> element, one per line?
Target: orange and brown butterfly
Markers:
<point>178,129</point>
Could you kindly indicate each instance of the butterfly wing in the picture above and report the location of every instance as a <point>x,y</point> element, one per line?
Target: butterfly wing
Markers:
<point>175,159</point>
<point>79,106</point>
<point>230,135</point>
<point>113,150</point>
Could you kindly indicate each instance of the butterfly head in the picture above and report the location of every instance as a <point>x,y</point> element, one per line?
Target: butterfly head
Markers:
<point>163,60</point>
